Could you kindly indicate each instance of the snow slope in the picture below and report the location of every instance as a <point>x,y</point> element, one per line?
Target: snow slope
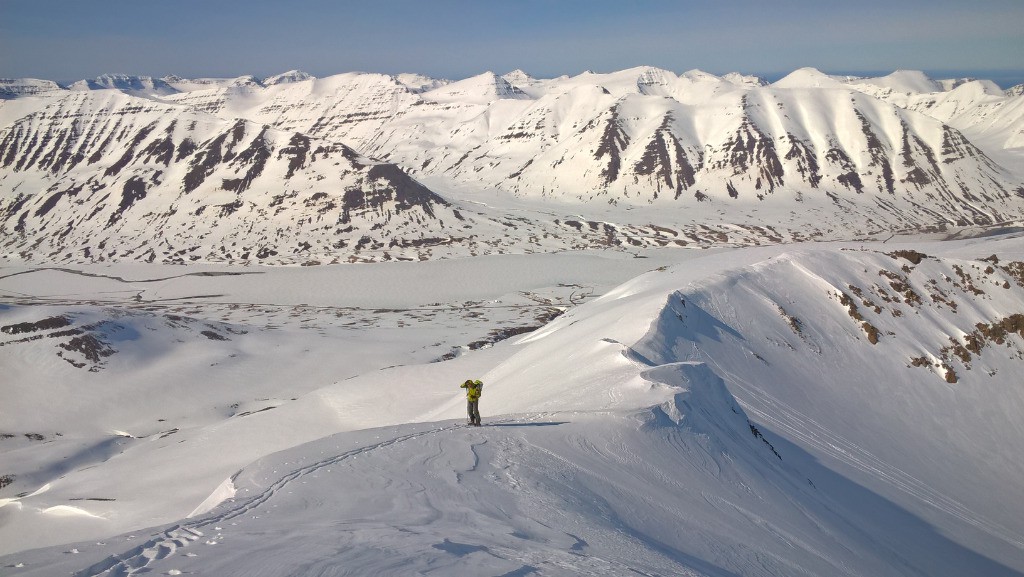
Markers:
<point>637,135</point>
<point>99,168</point>
<point>634,158</point>
<point>726,415</point>
<point>988,115</point>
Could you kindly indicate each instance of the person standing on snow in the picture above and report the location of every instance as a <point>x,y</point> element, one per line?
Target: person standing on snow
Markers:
<point>473,390</point>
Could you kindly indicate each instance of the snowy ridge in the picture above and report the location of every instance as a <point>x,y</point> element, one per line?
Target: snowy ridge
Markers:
<point>932,315</point>
<point>135,85</point>
<point>984,112</point>
<point>482,89</point>
<point>909,81</point>
<point>20,87</point>
<point>287,77</point>
<point>765,411</point>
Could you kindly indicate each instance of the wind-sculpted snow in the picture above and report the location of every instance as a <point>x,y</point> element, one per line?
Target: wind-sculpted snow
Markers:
<point>922,348</point>
<point>684,488</point>
<point>760,411</point>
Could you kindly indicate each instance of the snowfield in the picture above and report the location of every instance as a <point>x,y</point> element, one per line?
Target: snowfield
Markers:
<point>803,409</point>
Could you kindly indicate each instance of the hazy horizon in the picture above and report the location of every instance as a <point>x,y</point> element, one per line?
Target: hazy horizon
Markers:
<point>1004,78</point>
<point>67,41</point>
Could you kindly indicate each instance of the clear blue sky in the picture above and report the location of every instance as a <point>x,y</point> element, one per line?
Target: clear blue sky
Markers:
<point>66,40</point>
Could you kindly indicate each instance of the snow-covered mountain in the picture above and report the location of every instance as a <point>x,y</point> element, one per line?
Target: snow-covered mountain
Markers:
<point>287,77</point>
<point>906,81</point>
<point>192,84</point>
<point>646,134</point>
<point>18,87</point>
<point>826,409</point>
<point>137,85</point>
<point>637,157</point>
<point>992,117</point>
<point>106,176</point>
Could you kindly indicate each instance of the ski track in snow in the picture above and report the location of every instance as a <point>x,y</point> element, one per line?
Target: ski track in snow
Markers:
<point>466,464</point>
<point>783,417</point>
<point>167,543</point>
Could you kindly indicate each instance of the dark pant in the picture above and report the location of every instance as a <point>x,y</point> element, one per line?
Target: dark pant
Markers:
<point>473,407</point>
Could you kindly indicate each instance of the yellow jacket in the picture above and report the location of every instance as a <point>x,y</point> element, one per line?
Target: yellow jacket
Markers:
<point>473,389</point>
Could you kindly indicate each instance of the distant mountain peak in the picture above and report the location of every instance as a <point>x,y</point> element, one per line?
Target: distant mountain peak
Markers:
<point>479,89</point>
<point>745,79</point>
<point>182,84</point>
<point>518,77</point>
<point>974,89</point>
<point>700,75</point>
<point>904,81</point>
<point>518,74</point>
<point>126,83</point>
<point>287,78</point>
<point>247,80</point>
<point>418,83</point>
<point>807,77</point>
<point>654,76</point>
<point>18,87</point>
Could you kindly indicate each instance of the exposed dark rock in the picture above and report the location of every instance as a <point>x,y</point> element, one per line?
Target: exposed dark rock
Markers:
<point>613,142</point>
<point>255,156</point>
<point>161,150</point>
<point>665,158</point>
<point>52,201</point>
<point>757,434</point>
<point>296,151</point>
<point>211,154</point>
<point>134,190</point>
<point>878,154</point>
<point>185,148</point>
<point>46,324</point>
<point>89,346</point>
<point>806,163</point>
<point>129,154</point>
<point>911,255</point>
